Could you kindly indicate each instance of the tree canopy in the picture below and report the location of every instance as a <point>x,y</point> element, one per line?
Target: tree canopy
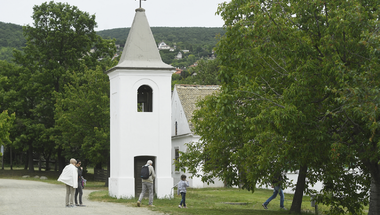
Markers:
<point>204,73</point>
<point>10,38</point>
<point>62,41</point>
<point>299,91</point>
<point>6,120</point>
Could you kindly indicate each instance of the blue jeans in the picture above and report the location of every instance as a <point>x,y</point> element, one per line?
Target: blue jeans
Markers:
<point>183,201</point>
<point>276,190</point>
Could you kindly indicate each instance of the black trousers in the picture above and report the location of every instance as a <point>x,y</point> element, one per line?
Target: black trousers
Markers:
<point>80,192</point>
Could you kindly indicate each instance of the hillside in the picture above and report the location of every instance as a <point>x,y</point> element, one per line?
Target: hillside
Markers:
<point>199,41</point>
<point>190,36</point>
<point>11,37</point>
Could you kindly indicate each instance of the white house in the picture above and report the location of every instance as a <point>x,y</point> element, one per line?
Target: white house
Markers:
<point>178,56</point>
<point>184,101</point>
<point>163,46</point>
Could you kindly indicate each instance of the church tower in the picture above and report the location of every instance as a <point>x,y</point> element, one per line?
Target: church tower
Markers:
<point>140,114</point>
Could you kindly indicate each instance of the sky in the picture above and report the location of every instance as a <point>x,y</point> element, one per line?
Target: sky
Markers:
<point>120,13</point>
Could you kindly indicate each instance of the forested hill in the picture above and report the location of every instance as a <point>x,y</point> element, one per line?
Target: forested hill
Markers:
<point>11,37</point>
<point>195,39</point>
<point>187,36</point>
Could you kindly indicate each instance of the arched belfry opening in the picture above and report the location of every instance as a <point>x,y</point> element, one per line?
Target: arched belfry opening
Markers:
<point>145,99</point>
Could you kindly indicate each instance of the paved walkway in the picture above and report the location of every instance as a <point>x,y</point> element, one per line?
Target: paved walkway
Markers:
<point>23,197</point>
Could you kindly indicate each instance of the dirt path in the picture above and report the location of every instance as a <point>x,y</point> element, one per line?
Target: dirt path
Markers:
<point>22,197</point>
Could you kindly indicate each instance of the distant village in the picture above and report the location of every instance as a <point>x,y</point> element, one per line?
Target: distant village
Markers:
<point>163,46</point>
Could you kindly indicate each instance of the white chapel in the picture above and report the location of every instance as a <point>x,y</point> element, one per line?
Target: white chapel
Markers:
<point>140,114</point>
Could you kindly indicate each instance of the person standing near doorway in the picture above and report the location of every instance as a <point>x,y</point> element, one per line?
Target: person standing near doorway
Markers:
<point>79,189</point>
<point>147,184</point>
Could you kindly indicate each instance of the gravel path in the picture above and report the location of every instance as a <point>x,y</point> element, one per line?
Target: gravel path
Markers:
<point>23,197</point>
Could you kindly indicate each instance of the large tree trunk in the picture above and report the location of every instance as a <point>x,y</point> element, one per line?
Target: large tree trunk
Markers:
<point>30,158</point>
<point>47,163</point>
<point>374,204</point>
<point>60,160</point>
<point>298,195</point>
<point>11,160</point>
<point>26,162</point>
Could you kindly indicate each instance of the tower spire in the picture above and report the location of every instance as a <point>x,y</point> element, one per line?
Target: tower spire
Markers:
<point>140,50</point>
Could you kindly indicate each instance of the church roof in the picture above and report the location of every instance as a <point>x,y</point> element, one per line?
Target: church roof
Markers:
<point>189,95</point>
<point>140,50</point>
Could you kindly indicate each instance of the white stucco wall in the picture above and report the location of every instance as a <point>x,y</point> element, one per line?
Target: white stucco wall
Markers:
<point>139,133</point>
<point>178,115</point>
<point>179,143</point>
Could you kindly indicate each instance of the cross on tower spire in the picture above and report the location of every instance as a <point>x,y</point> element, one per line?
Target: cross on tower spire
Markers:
<point>140,2</point>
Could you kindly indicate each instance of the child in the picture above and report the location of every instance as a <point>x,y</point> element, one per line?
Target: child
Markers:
<point>182,189</point>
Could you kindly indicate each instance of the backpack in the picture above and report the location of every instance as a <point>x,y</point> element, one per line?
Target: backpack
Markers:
<point>145,172</point>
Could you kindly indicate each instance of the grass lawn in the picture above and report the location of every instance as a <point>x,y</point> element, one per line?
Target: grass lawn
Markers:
<point>213,201</point>
<point>210,201</point>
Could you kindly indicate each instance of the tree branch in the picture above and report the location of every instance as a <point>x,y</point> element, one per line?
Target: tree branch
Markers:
<point>270,86</point>
<point>263,98</point>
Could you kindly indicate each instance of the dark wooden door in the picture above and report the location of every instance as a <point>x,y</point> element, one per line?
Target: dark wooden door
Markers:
<point>139,162</point>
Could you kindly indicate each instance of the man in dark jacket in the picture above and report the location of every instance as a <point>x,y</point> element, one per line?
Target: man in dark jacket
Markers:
<point>276,184</point>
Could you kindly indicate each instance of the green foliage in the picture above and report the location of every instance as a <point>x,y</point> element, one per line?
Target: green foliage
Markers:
<point>11,35</point>
<point>10,38</point>
<point>82,115</point>
<point>204,73</point>
<point>62,41</point>
<point>199,41</point>
<point>6,122</point>
<point>184,37</point>
<point>299,90</point>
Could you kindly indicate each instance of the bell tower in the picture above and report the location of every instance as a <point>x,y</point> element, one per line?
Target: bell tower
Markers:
<point>140,114</point>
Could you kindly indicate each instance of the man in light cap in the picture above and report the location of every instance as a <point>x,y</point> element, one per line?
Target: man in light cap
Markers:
<point>148,184</point>
<point>69,176</point>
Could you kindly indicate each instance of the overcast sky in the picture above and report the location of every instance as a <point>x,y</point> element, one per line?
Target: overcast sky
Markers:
<point>120,13</point>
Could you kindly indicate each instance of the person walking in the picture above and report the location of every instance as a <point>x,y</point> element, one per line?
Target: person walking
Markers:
<point>147,184</point>
<point>79,189</point>
<point>276,184</point>
<point>182,190</point>
<point>69,176</point>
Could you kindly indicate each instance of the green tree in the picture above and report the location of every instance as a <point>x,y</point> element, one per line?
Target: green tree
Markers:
<point>61,41</point>
<point>299,90</point>
<point>6,120</point>
<point>17,97</point>
<point>82,115</point>
<point>205,72</point>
